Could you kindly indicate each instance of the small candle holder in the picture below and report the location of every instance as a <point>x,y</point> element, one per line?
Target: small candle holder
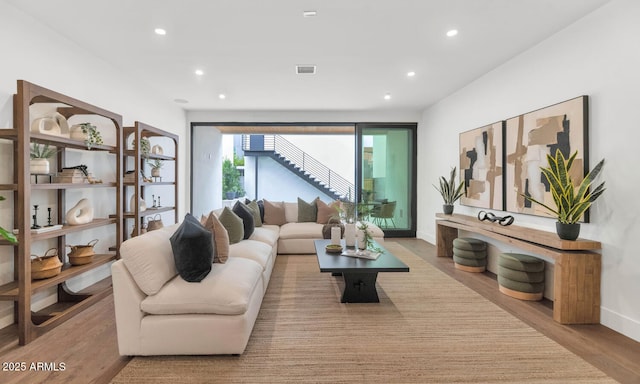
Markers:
<point>35,218</point>
<point>49,218</point>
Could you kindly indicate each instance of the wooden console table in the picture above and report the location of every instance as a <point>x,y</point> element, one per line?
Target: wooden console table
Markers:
<point>577,268</point>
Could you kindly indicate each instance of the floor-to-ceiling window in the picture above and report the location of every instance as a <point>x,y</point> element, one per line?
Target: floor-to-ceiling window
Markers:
<point>386,171</point>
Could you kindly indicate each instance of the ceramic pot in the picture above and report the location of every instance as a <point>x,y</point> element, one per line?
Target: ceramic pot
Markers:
<point>447,209</point>
<point>567,231</point>
<point>155,172</point>
<point>40,166</point>
<point>76,133</point>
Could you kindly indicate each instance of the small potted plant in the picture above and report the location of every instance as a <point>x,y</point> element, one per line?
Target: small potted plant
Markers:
<point>571,200</point>
<point>87,132</point>
<point>155,164</point>
<point>10,237</point>
<point>40,155</point>
<point>145,147</point>
<point>450,191</point>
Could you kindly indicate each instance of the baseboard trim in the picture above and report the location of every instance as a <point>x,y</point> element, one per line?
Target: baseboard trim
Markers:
<point>620,323</point>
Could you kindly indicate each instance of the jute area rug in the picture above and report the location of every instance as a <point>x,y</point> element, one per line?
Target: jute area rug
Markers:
<point>427,328</point>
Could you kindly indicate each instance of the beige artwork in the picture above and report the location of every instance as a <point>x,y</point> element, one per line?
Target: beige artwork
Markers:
<point>529,139</point>
<point>481,166</point>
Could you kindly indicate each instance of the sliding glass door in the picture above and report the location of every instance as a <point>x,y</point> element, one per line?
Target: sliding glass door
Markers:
<point>386,175</point>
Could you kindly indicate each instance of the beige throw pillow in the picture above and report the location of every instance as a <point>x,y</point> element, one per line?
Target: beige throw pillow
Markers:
<point>274,213</point>
<point>220,237</point>
<point>326,211</point>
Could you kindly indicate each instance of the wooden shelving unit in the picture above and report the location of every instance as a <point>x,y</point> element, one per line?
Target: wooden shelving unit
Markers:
<point>139,185</point>
<point>32,324</point>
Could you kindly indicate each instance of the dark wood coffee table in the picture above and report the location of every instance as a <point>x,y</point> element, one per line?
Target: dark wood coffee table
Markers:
<point>359,274</point>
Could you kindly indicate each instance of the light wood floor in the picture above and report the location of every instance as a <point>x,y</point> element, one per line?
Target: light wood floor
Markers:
<point>88,347</point>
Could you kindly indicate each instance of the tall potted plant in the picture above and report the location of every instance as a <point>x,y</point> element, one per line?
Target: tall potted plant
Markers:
<point>230,180</point>
<point>571,202</point>
<point>450,191</point>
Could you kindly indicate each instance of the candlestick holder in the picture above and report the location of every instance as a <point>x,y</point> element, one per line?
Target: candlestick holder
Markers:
<point>35,218</point>
<point>49,218</point>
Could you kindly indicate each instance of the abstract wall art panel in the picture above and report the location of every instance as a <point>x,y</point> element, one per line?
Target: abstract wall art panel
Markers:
<point>528,140</point>
<point>481,166</point>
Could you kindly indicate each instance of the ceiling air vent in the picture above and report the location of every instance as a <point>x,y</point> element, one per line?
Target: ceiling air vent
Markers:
<point>306,69</point>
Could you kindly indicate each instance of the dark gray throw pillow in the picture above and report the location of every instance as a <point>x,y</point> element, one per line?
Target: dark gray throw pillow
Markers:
<point>192,246</point>
<point>247,218</point>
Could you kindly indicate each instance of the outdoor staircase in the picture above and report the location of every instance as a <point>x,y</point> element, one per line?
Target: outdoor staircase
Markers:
<point>299,162</point>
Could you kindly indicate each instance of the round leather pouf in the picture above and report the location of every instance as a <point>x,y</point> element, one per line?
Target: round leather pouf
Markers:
<point>525,277</point>
<point>469,254</point>
<point>469,244</point>
<point>518,262</point>
<point>470,262</point>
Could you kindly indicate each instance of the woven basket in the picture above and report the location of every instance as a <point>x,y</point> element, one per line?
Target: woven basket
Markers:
<point>46,266</point>
<point>82,254</point>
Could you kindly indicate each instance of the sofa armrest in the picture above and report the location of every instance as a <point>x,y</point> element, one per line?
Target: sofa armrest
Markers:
<point>127,298</point>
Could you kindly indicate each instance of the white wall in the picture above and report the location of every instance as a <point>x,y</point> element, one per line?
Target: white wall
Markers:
<point>33,52</point>
<point>596,56</point>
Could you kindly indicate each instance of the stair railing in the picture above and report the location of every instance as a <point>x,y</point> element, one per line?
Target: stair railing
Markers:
<point>302,160</point>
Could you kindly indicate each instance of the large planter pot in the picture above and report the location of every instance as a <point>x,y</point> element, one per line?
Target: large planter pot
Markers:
<point>230,195</point>
<point>567,231</point>
<point>447,209</point>
<point>39,166</point>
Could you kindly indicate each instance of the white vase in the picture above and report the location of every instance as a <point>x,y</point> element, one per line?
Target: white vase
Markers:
<point>40,166</point>
<point>142,205</point>
<point>350,235</point>
<point>362,244</point>
<point>157,150</point>
<point>336,234</point>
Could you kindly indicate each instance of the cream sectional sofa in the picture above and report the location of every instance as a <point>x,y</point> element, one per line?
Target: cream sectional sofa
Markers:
<point>297,238</point>
<point>158,313</point>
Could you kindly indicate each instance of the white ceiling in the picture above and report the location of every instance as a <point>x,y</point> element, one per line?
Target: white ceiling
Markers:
<point>248,49</point>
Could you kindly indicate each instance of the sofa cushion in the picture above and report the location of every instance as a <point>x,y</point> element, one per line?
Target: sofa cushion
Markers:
<point>326,211</point>
<point>192,246</point>
<point>301,231</point>
<point>246,215</point>
<point>307,212</point>
<point>252,250</point>
<point>149,259</point>
<point>233,224</point>
<point>267,234</point>
<point>274,212</point>
<point>227,290</point>
<point>220,237</point>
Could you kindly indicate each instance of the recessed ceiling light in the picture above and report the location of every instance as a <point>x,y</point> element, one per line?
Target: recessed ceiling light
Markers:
<point>309,13</point>
<point>222,96</point>
<point>387,96</point>
<point>307,69</point>
<point>160,31</point>
<point>199,72</point>
<point>411,73</point>
<point>181,101</point>
<point>452,32</point>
